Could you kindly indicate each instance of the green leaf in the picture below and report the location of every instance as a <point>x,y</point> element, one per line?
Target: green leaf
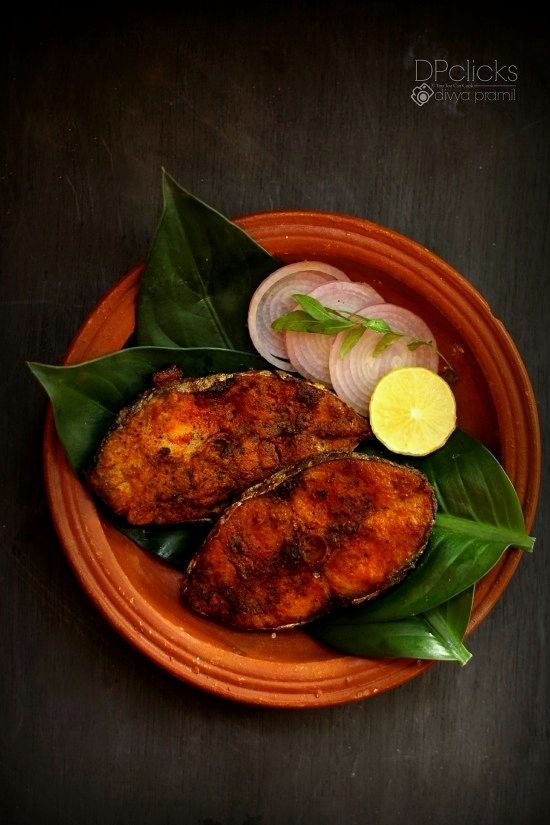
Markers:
<point>453,561</point>
<point>313,307</point>
<point>298,321</point>
<point>86,398</point>
<point>450,620</point>
<point>435,635</point>
<point>350,340</point>
<point>479,516</point>
<point>301,321</point>
<point>426,615</point>
<point>200,275</point>
<point>454,613</point>
<point>470,483</point>
<point>386,341</point>
<point>174,544</point>
<point>391,640</point>
<point>376,324</point>
<point>317,318</point>
<point>414,345</point>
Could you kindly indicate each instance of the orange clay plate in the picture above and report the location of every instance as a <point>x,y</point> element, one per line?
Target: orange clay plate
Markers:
<point>138,594</point>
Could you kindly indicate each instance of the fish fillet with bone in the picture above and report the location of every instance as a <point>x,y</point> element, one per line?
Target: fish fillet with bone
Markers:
<point>190,447</point>
<point>332,531</point>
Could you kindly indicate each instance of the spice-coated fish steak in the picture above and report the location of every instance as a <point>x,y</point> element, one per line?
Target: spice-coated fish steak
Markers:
<point>188,448</point>
<point>335,530</point>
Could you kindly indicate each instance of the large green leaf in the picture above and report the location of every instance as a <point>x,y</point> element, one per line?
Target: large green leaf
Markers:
<point>450,621</point>
<point>200,275</point>
<point>425,616</point>
<point>437,634</point>
<point>86,398</point>
<point>174,544</point>
<point>479,517</point>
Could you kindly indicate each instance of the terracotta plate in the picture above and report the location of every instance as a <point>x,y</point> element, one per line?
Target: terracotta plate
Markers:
<point>139,595</point>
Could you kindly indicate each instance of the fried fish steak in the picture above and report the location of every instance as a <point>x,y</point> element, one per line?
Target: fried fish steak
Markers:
<point>190,447</point>
<point>332,531</point>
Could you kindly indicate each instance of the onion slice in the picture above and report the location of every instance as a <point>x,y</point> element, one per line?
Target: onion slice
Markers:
<point>355,376</point>
<point>304,266</point>
<point>273,298</point>
<point>309,352</point>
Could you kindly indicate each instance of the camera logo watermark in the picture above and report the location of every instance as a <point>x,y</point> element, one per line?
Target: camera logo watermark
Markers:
<point>468,81</point>
<point>421,94</point>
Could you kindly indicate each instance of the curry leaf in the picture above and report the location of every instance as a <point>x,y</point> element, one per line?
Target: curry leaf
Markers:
<point>375,324</point>
<point>301,321</point>
<point>315,317</point>
<point>350,340</point>
<point>386,341</point>
<point>200,275</point>
<point>414,345</point>
<point>313,307</point>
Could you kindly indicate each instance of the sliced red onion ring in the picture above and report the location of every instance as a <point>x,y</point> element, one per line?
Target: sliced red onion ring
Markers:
<point>273,298</point>
<point>304,266</point>
<point>355,376</point>
<point>309,352</point>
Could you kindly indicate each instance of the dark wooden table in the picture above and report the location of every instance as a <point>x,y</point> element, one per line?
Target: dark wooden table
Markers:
<point>253,110</point>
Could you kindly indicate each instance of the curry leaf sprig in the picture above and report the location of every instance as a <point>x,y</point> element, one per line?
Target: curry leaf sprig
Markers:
<point>316,317</point>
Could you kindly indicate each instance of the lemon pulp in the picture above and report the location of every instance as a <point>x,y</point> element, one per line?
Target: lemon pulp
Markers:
<point>412,411</point>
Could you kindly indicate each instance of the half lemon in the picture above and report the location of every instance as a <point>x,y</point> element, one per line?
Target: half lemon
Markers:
<point>412,411</point>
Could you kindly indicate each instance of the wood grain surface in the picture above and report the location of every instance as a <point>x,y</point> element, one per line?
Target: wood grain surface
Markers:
<point>299,105</point>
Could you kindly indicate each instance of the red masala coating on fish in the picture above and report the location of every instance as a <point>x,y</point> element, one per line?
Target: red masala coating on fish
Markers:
<point>338,531</point>
<point>190,447</point>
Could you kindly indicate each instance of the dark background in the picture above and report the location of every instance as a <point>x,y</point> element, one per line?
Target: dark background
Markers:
<point>289,106</point>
